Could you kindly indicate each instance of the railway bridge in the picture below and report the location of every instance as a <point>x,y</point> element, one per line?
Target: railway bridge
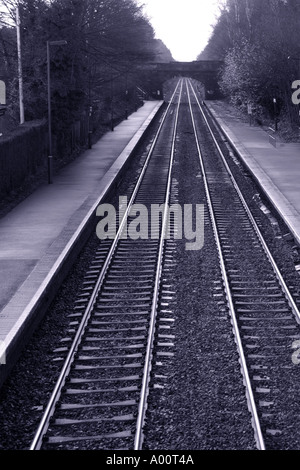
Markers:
<point>205,71</point>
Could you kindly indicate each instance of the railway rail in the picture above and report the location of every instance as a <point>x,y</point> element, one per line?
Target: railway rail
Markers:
<point>264,314</point>
<point>100,399</point>
<point>104,386</point>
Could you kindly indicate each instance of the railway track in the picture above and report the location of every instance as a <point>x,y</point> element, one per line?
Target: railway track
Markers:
<point>264,315</point>
<point>100,399</point>
<point>101,395</point>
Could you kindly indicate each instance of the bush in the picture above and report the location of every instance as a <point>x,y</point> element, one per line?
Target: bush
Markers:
<point>22,153</point>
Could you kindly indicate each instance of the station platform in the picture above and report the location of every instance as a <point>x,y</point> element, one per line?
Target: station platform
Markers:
<point>38,235</point>
<point>275,168</point>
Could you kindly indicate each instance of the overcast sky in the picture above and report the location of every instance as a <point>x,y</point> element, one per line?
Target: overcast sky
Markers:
<point>183,25</point>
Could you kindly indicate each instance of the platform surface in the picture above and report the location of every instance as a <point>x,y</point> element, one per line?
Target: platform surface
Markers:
<point>35,235</point>
<point>277,169</point>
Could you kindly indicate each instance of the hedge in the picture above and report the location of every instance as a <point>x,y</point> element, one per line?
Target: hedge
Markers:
<point>22,153</point>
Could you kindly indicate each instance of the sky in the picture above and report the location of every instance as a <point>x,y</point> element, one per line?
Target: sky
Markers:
<point>183,25</point>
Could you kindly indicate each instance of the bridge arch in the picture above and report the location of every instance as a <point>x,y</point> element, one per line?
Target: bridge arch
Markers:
<point>205,71</point>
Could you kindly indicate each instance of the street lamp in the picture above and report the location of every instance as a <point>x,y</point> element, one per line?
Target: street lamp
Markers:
<point>275,114</point>
<point>50,156</point>
<point>112,101</point>
<point>295,58</point>
<point>126,95</point>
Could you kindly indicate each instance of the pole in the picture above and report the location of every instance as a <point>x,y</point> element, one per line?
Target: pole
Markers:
<point>112,102</point>
<point>20,73</point>
<point>126,91</point>
<point>275,114</point>
<point>50,157</point>
<point>90,109</point>
<point>89,127</point>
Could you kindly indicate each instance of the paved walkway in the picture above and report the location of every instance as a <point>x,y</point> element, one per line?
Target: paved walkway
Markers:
<point>276,169</point>
<point>35,236</point>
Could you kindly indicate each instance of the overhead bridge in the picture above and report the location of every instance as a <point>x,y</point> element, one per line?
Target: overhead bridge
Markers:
<point>205,71</point>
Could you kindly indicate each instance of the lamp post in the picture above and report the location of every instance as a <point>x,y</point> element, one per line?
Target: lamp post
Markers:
<point>127,95</point>
<point>112,101</point>
<point>275,114</point>
<point>297,59</point>
<point>50,156</point>
<point>20,72</point>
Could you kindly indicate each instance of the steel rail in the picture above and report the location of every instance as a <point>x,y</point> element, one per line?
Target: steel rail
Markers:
<point>276,269</point>
<point>244,368</point>
<point>147,368</point>
<point>43,426</point>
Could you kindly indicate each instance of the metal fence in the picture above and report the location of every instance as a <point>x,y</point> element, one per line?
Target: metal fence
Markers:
<point>24,152</point>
